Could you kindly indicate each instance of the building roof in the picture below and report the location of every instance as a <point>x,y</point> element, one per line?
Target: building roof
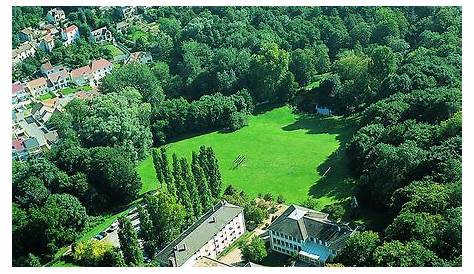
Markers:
<point>17,145</point>
<point>209,262</point>
<point>22,48</point>
<point>99,64</point>
<point>79,72</point>
<point>302,223</point>
<point>27,31</point>
<point>51,137</point>
<point>101,31</point>
<point>122,24</point>
<point>55,77</point>
<point>37,82</point>
<point>71,28</point>
<point>49,102</point>
<point>250,264</point>
<point>17,87</point>
<point>46,66</point>
<point>48,38</point>
<point>31,142</point>
<point>199,233</point>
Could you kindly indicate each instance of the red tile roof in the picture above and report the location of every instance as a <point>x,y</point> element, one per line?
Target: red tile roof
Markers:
<point>17,145</point>
<point>58,75</point>
<point>71,28</point>
<point>37,82</point>
<point>16,87</point>
<point>47,66</point>
<point>76,73</point>
<point>99,64</point>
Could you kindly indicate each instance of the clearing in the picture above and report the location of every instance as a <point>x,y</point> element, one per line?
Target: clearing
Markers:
<point>284,153</point>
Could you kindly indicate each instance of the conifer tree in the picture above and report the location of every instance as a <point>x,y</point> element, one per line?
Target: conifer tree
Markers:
<point>165,169</point>
<point>201,183</point>
<point>128,238</point>
<point>214,174</point>
<point>182,193</point>
<point>158,166</point>
<point>146,232</point>
<point>191,186</point>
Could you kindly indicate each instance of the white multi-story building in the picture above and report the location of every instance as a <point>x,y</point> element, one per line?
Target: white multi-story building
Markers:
<point>308,234</point>
<point>56,16</point>
<point>101,35</point>
<point>207,237</point>
<point>24,51</point>
<point>69,34</point>
<point>100,68</point>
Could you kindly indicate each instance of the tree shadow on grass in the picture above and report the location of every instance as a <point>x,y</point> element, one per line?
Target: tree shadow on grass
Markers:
<point>337,182</point>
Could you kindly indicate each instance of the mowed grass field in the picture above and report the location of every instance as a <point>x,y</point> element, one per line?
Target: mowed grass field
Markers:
<point>285,154</point>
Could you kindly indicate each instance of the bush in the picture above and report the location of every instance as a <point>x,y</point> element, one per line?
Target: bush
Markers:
<point>335,211</point>
<point>237,120</point>
<point>280,199</point>
<point>255,251</point>
<point>268,197</point>
<point>311,203</point>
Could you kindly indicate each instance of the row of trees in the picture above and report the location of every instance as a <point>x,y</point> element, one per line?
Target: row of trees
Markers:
<point>176,117</point>
<point>196,187</point>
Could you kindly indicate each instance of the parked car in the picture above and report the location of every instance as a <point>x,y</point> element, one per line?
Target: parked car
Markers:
<point>98,237</point>
<point>103,234</point>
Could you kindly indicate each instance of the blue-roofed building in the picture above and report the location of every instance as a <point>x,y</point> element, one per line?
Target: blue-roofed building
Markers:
<point>308,234</point>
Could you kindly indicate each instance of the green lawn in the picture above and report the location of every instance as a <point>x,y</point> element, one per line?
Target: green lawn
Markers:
<point>285,154</point>
<point>115,51</point>
<point>133,36</point>
<point>46,96</point>
<point>70,90</point>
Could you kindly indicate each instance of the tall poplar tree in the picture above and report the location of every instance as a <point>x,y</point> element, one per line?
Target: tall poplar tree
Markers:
<point>191,186</point>
<point>201,183</point>
<point>147,232</point>
<point>214,174</point>
<point>128,238</point>
<point>157,163</point>
<point>182,192</point>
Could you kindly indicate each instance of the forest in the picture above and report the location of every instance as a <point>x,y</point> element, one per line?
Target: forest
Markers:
<point>397,70</point>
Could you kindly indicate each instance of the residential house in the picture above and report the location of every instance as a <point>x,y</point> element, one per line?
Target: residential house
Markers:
<point>19,152</point>
<point>122,26</point>
<point>27,34</point>
<point>32,147</point>
<point>323,110</point>
<point>308,234</point>
<point>37,87</point>
<point>47,69</point>
<point>47,43</point>
<point>51,137</point>
<point>101,35</point>
<point>139,57</point>
<point>43,111</point>
<point>100,68</point>
<point>19,93</point>
<point>70,34</point>
<point>86,95</point>
<point>56,16</point>
<point>50,29</point>
<point>58,80</point>
<point>127,12</point>
<point>24,51</point>
<point>218,228</point>
<point>81,76</point>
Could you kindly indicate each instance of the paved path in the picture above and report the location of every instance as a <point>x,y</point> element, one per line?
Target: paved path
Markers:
<point>235,255</point>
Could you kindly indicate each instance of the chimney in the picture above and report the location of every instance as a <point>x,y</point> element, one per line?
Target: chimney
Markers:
<point>184,247</point>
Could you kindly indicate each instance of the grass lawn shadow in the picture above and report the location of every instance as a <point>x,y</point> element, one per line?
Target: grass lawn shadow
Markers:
<point>336,182</point>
